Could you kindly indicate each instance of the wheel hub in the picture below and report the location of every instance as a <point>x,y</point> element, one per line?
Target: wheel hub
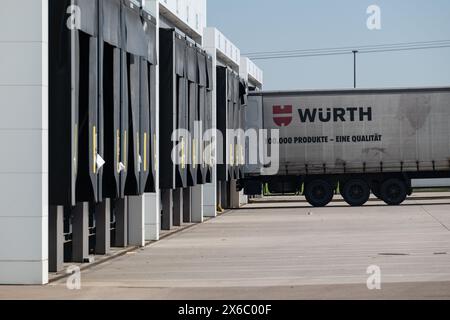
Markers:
<point>319,192</point>
<point>393,191</point>
<point>356,191</point>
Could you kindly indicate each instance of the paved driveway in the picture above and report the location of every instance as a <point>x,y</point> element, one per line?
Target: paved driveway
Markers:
<point>283,250</point>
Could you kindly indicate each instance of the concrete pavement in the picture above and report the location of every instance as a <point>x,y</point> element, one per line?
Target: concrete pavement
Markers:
<point>284,250</point>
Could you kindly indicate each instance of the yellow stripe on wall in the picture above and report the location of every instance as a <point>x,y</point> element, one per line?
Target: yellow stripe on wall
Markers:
<point>145,151</point>
<point>138,149</point>
<point>231,155</point>
<point>183,160</point>
<point>154,152</point>
<point>118,150</point>
<point>125,156</point>
<point>94,149</point>
<point>75,148</point>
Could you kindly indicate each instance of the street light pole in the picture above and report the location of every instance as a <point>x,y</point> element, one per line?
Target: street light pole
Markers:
<point>354,68</point>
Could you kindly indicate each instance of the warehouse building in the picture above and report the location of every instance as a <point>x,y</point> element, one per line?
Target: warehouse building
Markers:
<point>92,91</point>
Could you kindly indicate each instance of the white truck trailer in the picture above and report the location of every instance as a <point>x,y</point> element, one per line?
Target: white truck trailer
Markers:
<point>358,141</point>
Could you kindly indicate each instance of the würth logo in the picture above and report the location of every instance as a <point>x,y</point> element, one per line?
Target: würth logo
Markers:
<point>282,115</point>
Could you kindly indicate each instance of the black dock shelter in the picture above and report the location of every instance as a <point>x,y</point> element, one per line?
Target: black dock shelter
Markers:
<point>136,51</point>
<point>202,169</point>
<point>174,115</point>
<point>74,127</point>
<point>208,125</point>
<point>193,110</point>
<point>73,103</point>
<point>231,100</point>
<point>102,123</point>
<point>148,113</point>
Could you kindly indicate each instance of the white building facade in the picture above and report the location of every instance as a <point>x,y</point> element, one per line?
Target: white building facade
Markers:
<point>24,166</point>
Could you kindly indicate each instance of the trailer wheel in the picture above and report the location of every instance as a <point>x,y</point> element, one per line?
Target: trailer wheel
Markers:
<point>393,192</point>
<point>356,192</point>
<point>318,193</point>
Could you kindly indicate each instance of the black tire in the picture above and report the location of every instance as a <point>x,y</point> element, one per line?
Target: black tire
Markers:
<point>393,192</point>
<point>318,193</point>
<point>356,192</point>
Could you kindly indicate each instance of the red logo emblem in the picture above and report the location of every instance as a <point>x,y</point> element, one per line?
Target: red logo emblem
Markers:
<point>282,115</point>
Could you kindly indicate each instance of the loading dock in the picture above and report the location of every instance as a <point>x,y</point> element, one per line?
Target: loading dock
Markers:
<point>105,172</point>
<point>110,157</point>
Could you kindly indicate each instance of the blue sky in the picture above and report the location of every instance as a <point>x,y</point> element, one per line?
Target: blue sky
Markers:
<point>268,25</point>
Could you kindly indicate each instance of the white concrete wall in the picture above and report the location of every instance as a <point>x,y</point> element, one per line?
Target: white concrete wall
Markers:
<point>23,142</point>
<point>224,48</point>
<point>210,189</point>
<point>191,12</point>
<point>243,199</point>
<point>152,203</point>
<point>251,72</point>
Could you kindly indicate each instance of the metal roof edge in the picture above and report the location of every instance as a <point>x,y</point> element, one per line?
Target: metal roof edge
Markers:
<point>352,91</point>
